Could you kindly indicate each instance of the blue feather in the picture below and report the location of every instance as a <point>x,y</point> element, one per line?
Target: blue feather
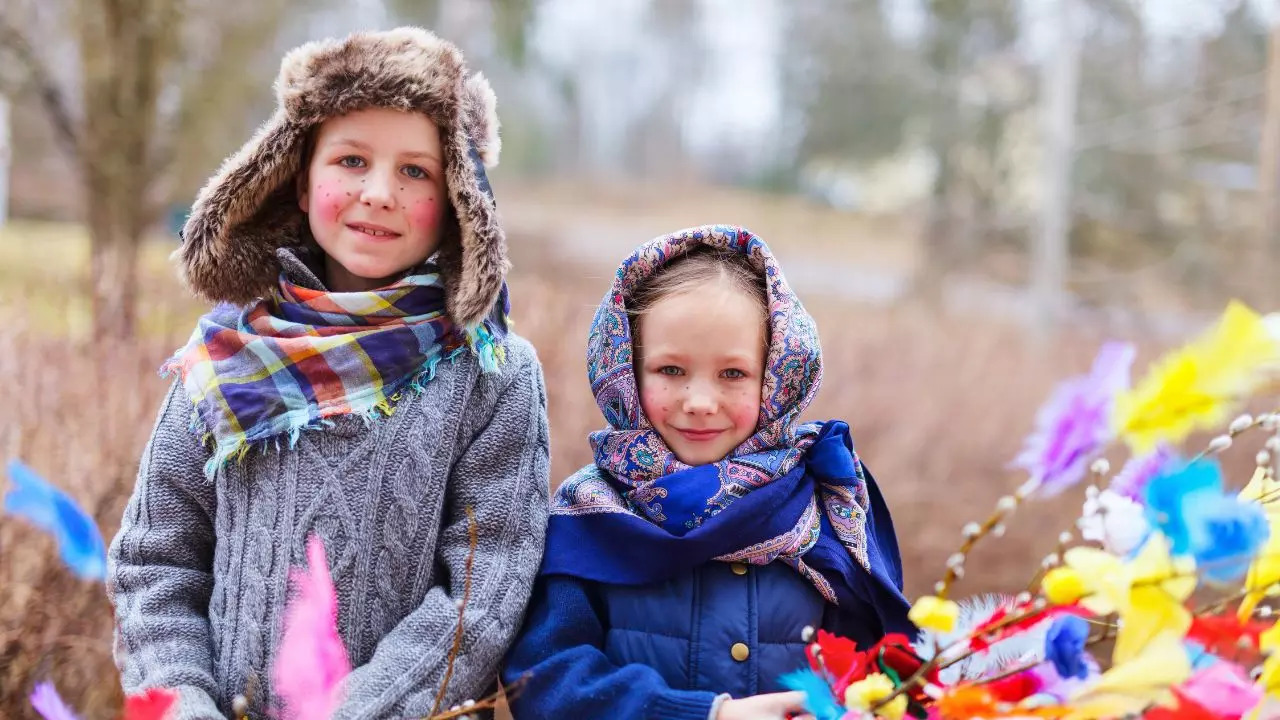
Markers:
<point>79,541</point>
<point>818,698</point>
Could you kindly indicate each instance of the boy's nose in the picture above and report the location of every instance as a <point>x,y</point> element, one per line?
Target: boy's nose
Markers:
<point>377,191</point>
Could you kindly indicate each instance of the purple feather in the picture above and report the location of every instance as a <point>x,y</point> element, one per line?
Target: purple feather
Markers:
<point>1132,479</point>
<point>1075,424</point>
<point>47,702</point>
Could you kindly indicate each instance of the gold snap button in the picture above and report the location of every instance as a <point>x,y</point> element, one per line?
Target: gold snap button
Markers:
<point>740,652</point>
<point>738,568</point>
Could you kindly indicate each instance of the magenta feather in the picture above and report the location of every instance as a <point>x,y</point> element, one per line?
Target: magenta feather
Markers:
<point>311,662</point>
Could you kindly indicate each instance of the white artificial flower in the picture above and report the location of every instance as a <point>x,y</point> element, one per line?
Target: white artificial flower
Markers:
<point>1114,520</point>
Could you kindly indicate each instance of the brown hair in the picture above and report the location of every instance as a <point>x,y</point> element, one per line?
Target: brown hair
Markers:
<point>699,268</point>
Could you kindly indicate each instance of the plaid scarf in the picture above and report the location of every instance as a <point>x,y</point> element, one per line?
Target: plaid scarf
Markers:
<point>283,365</point>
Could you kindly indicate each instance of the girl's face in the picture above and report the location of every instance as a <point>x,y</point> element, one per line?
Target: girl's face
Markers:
<point>374,195</point>
<point>701,370</point>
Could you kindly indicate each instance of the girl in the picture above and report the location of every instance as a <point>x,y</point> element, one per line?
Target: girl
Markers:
<point>367,391</point>
<point>683,566</point>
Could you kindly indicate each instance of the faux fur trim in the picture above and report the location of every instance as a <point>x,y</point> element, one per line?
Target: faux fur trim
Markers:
<point>248,208</point>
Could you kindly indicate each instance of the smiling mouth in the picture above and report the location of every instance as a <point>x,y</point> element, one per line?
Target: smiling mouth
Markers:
<point>373,231</point>
<point>700,434</point>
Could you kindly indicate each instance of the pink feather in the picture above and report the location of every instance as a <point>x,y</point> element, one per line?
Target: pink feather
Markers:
<point>311,661</point>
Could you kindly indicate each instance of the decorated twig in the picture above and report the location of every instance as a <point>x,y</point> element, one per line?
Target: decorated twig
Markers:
<point>1158,530</point>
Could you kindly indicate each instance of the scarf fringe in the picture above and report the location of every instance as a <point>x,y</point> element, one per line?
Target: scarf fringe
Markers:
<point>490,353</point>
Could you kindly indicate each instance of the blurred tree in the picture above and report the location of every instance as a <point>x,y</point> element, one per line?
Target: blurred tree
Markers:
<point>851,86</point>
<point>509,21</point>
<point>1167,122</point>
<point>426,13</point>
<point>678,53</point>
<point>142,110</point>
<point>968,47</point>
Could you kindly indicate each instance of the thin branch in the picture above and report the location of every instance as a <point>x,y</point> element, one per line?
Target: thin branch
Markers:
<point>51,96</point>
<point>473,539</point>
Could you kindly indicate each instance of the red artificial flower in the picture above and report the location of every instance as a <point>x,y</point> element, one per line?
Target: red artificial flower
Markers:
<point>1225,635</point>
<point>896,652</point>
<point>840,661</point>
<point>892,656</point>
<point>838,655</point>
<point>154,704</point>
<point>1015,688</point>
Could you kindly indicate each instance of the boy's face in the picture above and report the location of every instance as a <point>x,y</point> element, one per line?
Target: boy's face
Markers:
<point>374,194</point>
<point>701,371</point>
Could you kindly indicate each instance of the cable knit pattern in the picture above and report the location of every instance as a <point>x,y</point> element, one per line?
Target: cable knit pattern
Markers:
<point>199,568</point>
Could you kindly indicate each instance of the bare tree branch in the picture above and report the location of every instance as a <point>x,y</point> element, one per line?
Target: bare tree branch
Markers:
<point>51,96</point>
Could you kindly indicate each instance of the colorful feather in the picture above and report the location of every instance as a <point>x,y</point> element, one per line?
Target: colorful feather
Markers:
<point>311,662</point>
<point>975,612</point>
<point>818,699</point>
<point>79,542</point>
<point>49,704</point>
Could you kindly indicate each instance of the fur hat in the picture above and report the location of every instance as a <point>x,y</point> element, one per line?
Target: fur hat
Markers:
<point>249,208</point>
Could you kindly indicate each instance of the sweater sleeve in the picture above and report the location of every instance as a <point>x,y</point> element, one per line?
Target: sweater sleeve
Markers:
<point>557,667</point>
<point>502,477</point>
<point>160,569</point>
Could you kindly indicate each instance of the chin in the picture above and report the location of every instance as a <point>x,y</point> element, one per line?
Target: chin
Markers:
<point>701,457</point>
<point>370,268</point>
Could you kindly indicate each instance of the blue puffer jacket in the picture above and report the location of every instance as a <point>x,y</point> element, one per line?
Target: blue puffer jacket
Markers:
<point>665,650</point>
<point>631,623</point>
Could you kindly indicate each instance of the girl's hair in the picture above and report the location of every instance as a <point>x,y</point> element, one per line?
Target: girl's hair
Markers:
<point>697,269</point>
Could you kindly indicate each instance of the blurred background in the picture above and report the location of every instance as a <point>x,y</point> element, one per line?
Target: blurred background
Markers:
<point>969,195</point>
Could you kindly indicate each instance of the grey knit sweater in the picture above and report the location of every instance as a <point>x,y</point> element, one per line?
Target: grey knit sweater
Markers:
<point>198,572</point>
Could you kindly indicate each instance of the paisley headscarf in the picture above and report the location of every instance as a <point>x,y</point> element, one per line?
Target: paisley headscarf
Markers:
<point>768,500</point>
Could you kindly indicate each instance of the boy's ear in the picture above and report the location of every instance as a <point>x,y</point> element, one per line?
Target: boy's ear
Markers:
<point>301,187</point>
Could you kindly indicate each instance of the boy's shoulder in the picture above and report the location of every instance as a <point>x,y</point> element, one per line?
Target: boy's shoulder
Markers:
<point>519,360</point>
<point>518,370</point>
<point>520,352</point>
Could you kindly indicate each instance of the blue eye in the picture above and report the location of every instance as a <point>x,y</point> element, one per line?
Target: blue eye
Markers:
<point>733,374</point>
<point>351,161</point>
<point>415,172</point>
<point>670,370</point>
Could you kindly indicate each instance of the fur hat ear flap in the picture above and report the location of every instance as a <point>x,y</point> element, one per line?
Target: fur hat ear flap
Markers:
<point>481,110</point>
<point>475,267</point>
<point>247,210</point>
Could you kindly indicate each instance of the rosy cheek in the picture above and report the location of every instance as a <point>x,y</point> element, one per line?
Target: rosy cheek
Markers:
<point>327,202</point>
<point>330,211</point>
<point>653,404</point>
<point>424,213</point>
<point>746,412</point>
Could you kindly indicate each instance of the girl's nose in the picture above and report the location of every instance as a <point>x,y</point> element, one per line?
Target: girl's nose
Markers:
<point>700,399</point>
